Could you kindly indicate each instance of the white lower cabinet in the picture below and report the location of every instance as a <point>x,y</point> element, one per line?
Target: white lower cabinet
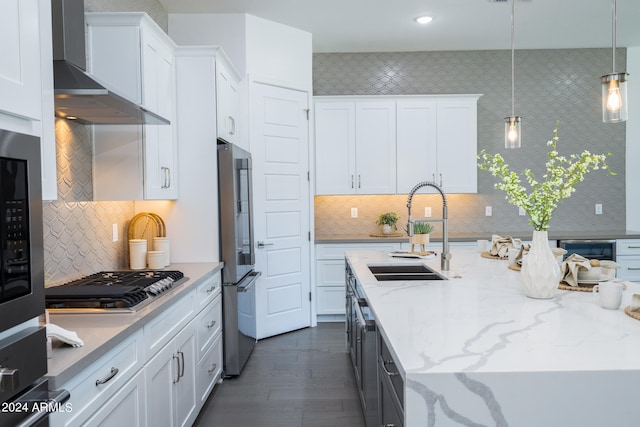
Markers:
<point>209,370</point>
<point>330,285</point>
<point>127,407</point>
<point>102,382</point>
<point>170,381</point>
<point>159,376</point>
<point>628,256</point>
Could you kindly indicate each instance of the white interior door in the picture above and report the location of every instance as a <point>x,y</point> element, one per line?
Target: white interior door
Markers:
<point>280,151</point>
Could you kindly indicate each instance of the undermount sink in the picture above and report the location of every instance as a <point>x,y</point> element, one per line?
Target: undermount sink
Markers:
<point>404,272</point>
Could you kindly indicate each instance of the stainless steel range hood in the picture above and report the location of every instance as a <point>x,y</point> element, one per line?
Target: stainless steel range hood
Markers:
<point>76,93</point>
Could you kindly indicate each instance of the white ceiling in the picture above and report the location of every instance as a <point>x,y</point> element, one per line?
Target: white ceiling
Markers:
<point>387,25</point>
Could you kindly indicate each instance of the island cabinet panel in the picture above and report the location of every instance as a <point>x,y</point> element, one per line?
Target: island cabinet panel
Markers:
<point>355,147</point>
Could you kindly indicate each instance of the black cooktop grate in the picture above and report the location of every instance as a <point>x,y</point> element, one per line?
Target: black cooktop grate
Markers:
<point>107,289</point>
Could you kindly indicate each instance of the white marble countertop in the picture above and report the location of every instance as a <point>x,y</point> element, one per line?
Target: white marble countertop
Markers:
<point>480,325</point>
<point>101,332</point>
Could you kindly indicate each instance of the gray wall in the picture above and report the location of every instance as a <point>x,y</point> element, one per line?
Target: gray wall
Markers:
<point>551,85</point>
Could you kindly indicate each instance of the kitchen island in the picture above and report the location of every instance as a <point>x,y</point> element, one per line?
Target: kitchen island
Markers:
<point>474,350</point>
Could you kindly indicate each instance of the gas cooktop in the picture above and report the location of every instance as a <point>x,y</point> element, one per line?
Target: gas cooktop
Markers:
<point>112,291</point>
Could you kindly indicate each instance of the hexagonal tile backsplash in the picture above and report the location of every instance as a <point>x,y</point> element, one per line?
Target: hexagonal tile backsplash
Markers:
<point>550,85</point>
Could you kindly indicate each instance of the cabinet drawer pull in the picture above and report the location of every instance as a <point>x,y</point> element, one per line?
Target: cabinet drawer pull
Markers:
<point>211,289</point>
<point>386,371</point>
<point>388,425</point>
<point>633,247</point>
<point>211,324</point>
<point>113,373</point>
<point>633,268</point>
<point>213,368</point>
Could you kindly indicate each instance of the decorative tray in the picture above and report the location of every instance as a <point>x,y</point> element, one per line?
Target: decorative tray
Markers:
<point>488,255</point>
<point>407,254</point>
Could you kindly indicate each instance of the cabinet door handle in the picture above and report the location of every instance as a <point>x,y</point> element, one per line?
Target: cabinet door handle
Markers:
<point>386,371</point>
<point>177,378</point>
<point>359,181</point>
<point>232,121</point>
<point>168,178</point>
<point>211,324</point>
<point>440,180</point>
<point>351,181</point>
<point>633,268</point>
<point>181,364</point>
<point>213,368</point>
<point>113,373</point>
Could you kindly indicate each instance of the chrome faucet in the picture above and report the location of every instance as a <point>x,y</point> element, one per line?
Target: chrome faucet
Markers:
<point>446,256</point>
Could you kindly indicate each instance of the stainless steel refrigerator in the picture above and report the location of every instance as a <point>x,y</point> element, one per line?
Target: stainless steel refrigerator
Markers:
<point>238,254</point>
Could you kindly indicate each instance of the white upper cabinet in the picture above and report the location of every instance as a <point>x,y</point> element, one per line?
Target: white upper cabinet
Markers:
<point>437,141</point>
<point>388,144</point>
<point>355,147</point>
<point>131,55</point>
<point>227,98</point>
<point>20,65</point>
<point>26,80</point>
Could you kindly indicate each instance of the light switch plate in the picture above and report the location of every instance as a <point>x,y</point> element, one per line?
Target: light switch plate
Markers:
<point>427,212</point>
<point>354,212</point>
<point>114,232</point>
<point>488,211</point>
<point>598,209</point>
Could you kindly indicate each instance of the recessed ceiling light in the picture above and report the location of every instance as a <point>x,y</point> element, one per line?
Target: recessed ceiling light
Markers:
<point>423,19</point>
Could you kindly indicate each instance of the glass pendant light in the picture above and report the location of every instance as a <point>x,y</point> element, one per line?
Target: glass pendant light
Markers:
<point>614,86</point>
<point>513,124</point>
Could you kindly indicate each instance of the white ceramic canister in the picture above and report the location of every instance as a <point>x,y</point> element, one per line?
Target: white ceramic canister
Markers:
<point>155,260</point>
<point>162,244</point>
<point>138,254</point>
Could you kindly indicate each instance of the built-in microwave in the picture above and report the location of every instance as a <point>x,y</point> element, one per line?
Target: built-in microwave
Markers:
<point>21,239</point>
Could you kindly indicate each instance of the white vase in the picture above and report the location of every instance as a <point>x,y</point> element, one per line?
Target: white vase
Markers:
<point>386,229</point>
<point>540,270</point>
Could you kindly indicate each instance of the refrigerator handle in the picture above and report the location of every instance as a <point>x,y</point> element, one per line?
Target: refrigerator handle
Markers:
<point>252,253</point>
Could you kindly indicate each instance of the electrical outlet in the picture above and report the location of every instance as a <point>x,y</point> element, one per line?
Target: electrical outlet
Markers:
<point>488,211</point>
<point>427,212</point>
<point>521,212</point>
<point>354,212</point>
<point>114,232</point>
<point>598,209</point>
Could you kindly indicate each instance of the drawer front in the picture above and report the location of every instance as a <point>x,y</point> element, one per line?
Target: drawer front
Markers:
<point>330,272</point>
<point>337,250</point>
<point>628,247</point>
<point>629,267</point>
<point>126,408</point>
<point>390,370</point>
<point>102,380</point>
<point>208,290</point>
<point>209,325</point>
<point>330,300</point>
<point>209,370</point>
<point>162,329</point>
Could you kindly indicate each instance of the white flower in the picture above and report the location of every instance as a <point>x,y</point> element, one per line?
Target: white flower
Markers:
<point>557,184</point>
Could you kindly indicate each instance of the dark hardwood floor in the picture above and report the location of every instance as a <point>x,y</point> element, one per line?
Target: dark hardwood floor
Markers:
<point>302,378</point>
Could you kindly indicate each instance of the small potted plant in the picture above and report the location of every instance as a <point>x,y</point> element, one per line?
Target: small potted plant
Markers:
<point>420,236</point>
<point>388,222</point>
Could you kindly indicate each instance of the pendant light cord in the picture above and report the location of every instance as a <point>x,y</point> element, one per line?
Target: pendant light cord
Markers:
<point>613,35</point>
<point>513,79</point>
